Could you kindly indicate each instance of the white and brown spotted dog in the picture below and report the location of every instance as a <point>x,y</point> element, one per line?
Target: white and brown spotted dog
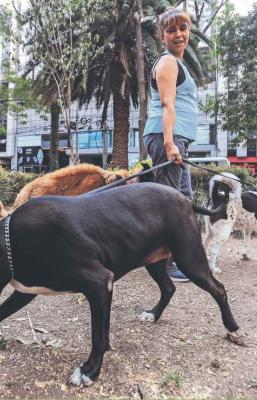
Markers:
<point>241,214</point>
<point>72,181</point>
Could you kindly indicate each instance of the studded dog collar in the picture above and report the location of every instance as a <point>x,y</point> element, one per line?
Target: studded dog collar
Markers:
<point>8,244</point>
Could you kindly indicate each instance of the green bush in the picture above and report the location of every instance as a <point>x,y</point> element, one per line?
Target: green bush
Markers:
<point>200,177</point>
<point>11,183</point>
<point>200,183</point>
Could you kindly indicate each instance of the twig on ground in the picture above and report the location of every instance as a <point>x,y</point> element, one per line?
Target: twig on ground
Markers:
<point>35,339</point>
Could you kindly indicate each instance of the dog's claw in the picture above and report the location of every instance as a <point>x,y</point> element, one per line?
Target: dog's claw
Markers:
<point>77,378</point>
<point>236,339</point>
<point>147,317</point>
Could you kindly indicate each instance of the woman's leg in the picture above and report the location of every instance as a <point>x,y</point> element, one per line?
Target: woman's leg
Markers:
<point>185,183</point>
<point>171,174</point>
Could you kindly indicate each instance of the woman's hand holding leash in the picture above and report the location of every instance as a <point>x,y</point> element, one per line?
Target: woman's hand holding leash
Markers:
<point>172,153</point>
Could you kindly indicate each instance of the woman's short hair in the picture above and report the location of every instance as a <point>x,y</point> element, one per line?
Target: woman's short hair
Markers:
<point>173,16</point>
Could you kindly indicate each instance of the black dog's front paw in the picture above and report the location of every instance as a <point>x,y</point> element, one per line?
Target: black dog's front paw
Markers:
<point>78,378</point>
<point>147,316</point>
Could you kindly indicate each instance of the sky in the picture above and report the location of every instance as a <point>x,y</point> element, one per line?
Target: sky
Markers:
<point>243,6</point>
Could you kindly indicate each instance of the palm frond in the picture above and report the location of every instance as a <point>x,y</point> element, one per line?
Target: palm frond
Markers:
<point>193,65</point>
<point>201,36</point>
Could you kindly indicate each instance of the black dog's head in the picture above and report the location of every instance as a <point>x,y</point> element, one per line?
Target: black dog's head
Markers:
<point>149,177</point>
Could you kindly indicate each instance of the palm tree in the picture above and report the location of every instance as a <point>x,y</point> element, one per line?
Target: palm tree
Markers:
<point>112,70</point>
<point>113,67</point>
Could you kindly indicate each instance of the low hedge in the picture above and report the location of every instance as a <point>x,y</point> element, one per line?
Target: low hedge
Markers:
<point>12,182</point>
<point>200,183</point>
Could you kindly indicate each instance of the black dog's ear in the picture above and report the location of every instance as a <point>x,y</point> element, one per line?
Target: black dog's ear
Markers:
<point>216,195</point>
<point>145,165</point>
<point>150,177</point>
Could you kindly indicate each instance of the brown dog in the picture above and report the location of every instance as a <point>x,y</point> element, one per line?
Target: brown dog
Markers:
<point>69,181</point>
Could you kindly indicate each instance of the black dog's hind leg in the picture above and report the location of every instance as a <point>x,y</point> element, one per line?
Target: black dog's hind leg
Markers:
<point>107,322</point>
<point>98,291</point>
<point>15,302</point>
<point>217,290</point>
<point>193,263</point>
<point>159,272</point>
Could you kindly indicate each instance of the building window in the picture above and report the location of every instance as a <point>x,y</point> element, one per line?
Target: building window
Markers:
<point>92,139</point>
<point>231,144</point>
<point>134,138</point>
<point>3,129</point>
<point>251,148</point>
<point>203,134</point>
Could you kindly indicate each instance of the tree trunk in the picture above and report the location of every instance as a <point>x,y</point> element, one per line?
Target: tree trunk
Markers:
<point>105,129</point>
<point>121,106</point>
<point>140,79</point>
<point>54,137</point>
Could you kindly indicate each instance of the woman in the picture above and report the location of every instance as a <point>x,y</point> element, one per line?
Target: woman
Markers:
<point>172,118</point>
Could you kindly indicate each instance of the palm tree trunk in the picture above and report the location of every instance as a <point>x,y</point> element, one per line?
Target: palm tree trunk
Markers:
<point>121,106</point>
<point>140,78</point>
<point>54,137</point>
<point>104,128</point>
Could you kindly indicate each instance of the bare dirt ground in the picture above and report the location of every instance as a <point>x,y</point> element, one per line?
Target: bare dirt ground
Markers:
<point>183,356</point>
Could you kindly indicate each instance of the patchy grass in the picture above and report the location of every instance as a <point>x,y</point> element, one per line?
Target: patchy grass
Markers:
<point>173,377</point>
<point>3,344</point>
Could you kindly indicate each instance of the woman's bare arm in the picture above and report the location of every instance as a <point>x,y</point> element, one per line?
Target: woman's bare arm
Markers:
<point>166,73</point>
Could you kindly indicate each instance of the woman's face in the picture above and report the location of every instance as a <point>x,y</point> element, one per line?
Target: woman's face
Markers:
<point>176,38</point>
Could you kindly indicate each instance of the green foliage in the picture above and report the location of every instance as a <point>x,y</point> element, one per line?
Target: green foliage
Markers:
<point>16,95</point>
<point>15,91</point>
<point>200,178</point>
<point>200,183</point>
<point>3,344</point>
<point>5,26</point>
<point>173,378</point>
<point>2,132</point>
<point>58,39</point>
<point>210,105</point>
<point>11,183</point>
<point>114,33</point>
<point>237,49</point>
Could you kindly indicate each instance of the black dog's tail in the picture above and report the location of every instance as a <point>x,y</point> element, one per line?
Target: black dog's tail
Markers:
<point>222,207</point>
<point>207,211</point>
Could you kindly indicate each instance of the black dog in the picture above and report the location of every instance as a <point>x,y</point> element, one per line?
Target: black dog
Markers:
<point>85,243</point>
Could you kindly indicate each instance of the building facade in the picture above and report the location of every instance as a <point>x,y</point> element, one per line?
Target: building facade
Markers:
<point>25,145</point>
